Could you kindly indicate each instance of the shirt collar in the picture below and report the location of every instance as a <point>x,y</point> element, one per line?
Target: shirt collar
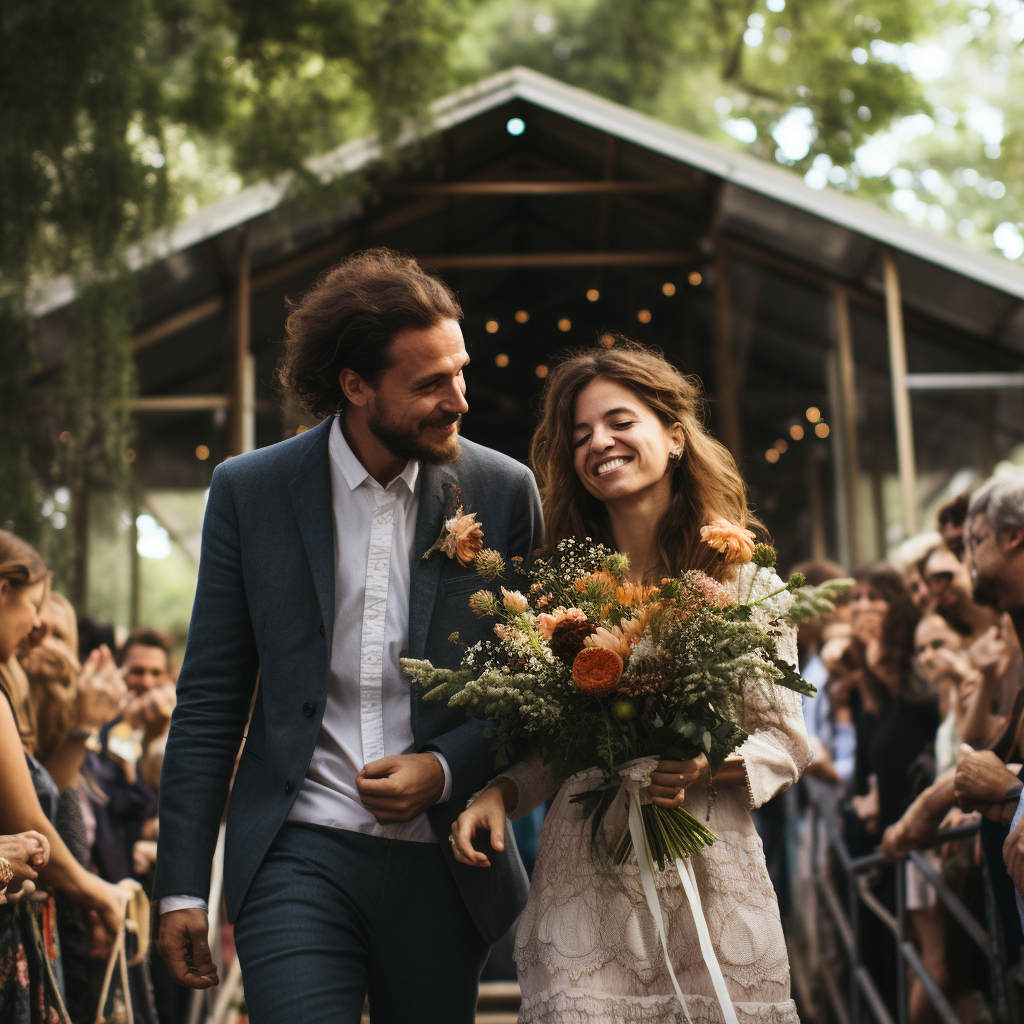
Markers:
<point>354,472</point>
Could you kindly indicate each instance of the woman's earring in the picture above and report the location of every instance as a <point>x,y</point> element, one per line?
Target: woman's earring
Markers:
<point>675,456</point>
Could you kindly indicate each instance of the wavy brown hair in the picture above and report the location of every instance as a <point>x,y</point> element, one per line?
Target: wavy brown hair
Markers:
<point>348,320</point>
<point>706,483</point>
<point>20,564</point>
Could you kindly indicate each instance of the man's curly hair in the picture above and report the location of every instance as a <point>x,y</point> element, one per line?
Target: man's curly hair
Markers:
<point>349,318</point>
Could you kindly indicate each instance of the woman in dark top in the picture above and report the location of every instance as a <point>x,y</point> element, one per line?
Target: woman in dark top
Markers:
<point>895,723</point>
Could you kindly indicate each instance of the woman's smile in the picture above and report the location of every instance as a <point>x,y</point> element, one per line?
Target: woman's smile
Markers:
<point>606,466</point>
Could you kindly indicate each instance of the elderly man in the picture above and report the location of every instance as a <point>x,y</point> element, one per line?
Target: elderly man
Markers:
<point>994,541</point>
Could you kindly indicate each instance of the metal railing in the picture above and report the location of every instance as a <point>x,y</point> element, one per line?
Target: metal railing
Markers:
<point>862,992</point>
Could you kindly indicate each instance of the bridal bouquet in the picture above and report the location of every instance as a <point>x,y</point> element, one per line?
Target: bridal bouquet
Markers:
<point>596,671</point>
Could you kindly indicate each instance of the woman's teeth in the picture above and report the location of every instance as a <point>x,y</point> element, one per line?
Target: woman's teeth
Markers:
<point>607,467</point>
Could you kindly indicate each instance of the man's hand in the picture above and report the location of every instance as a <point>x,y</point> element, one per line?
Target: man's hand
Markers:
<point>983,783</point>
<point>182,941</point>
<point>398,788</point>
<point>1013,856</point>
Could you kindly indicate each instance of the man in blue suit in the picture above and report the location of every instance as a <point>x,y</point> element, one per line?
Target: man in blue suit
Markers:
<point>338,873</point>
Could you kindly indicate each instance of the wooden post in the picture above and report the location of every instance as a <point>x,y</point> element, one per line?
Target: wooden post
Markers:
<point>900,394</point>
<point>81,532</point>
<point>840,473</point>
<point>847,388</point>
<point>135,564</point>
<point>815,501</point>
<point>242,434</point>
<point>725,365</point>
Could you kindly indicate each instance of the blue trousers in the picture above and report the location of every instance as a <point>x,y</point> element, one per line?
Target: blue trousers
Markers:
<point>332,916</point>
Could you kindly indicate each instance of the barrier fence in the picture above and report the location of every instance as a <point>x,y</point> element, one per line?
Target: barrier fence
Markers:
<point>854,996</point>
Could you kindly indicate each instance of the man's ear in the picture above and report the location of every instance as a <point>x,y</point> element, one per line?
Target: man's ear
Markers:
<point>354,388</point>
<point>1012,540</point>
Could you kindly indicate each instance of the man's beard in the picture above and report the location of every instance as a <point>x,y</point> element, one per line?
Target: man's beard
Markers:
<point>409,444</point>
<point>985,592</point>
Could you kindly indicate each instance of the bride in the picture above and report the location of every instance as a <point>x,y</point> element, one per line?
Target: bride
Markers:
<point>621,456</point>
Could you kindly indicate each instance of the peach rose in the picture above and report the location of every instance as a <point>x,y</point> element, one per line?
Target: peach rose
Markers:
<point>734,542</point>
<point>465,538</point>
<point>547,621</point>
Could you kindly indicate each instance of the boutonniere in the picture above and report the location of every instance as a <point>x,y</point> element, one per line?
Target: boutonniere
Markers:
<point>461,537</point>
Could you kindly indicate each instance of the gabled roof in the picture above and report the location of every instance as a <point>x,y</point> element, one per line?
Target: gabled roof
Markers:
<point>739,169</point>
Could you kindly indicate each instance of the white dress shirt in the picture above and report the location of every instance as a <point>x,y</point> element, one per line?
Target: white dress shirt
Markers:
<point>367,714</point>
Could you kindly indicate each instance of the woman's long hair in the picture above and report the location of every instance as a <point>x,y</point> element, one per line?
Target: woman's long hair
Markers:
<point>706,483</point>
<point>900,622</point>
<point>20,564</point>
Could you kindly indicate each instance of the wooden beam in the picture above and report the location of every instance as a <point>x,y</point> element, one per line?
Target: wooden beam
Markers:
<point>180,403</point>
<point>178,321</point>
<point>847,388</point>
<point>242,424</point>
<point>542,188</point>
<point>540,260</point>
<point>900,394</point>
<point>725,369</point>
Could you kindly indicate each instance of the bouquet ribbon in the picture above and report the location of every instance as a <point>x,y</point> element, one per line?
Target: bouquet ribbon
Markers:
<point>632,780</point>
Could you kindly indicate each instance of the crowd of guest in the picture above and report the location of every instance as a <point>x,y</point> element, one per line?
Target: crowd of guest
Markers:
<point>918,726</point>
<point>82,729</point>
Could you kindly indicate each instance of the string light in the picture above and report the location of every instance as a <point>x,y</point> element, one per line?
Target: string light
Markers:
<point>813,414</point>
<point>65,436</point>
<point>694,278</point>
<point>772,455</point>
<point>541,371</point>
<point>522,316</point>
<point>796,432</point>
<point>203,453</point>
<point>644,316</point>
<point>668,288</point>
<point>782,446</point>
<point>593,295</point>
<point>564,324</point>
<point>515,126</point>
<point>501,360</point>
<point>606,340</point>
<point>491,327</point>
<point>821,429</point>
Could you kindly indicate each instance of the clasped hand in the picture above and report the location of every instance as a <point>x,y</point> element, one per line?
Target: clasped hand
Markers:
<point>399,787</point>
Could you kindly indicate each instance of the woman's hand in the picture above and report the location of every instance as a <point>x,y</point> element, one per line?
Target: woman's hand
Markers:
<point>109,903</point>
<point>671,779</point>
<point>489,812</point>
<point>101,690</point>
<point>26,852</point>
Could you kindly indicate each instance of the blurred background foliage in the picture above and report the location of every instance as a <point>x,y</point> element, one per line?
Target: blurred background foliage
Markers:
<point>119,117</point>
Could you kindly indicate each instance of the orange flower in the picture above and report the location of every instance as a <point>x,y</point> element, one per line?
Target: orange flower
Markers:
<point>632,593</point>
<point>596,670</point>
<point>465,537</point>
<point>547,621</point>
<point>610,638</point>
<point>604,578</point>
<point>733,542</point>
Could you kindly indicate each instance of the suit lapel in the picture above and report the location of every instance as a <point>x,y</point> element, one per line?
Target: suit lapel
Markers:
<point>425,575</point>
<point>311,496</point>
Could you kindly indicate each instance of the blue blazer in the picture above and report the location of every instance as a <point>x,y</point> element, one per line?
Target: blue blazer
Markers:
<point>264,609</point>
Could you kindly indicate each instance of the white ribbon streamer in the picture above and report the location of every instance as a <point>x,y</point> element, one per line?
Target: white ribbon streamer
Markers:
<point>686,876</point>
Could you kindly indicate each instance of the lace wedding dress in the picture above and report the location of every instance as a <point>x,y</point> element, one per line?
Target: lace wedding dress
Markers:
<point>586,946</point>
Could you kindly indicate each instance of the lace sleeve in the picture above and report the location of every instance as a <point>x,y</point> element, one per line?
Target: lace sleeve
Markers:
<point>533,780</point>
<point>777,750</point>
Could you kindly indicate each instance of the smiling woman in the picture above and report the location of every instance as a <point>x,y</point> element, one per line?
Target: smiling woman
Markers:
<point>621,436</point>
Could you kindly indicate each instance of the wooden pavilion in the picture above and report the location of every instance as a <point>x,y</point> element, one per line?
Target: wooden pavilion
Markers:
<point>853,363</point>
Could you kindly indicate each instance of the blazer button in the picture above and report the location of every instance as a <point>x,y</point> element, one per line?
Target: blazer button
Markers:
<point>323,632</point>
<point>309,709</point>
<point>288,787</point>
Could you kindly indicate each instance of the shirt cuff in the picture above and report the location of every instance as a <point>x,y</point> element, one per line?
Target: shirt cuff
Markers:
<point>447,794</point>
<point>169,903</point>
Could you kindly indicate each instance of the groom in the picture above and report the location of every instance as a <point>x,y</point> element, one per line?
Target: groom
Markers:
<point>338,873</point>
